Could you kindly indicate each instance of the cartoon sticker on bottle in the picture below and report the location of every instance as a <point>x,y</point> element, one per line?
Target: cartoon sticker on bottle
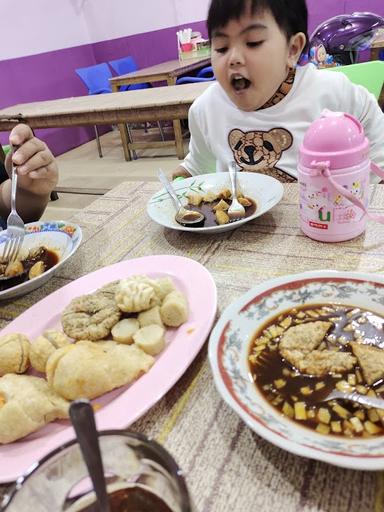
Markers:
<point>317,210</point>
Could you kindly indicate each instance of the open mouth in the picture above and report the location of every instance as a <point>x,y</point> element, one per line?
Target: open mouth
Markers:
<point>239,83</point>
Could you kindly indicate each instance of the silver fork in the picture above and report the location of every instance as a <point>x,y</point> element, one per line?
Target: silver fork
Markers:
<point>15,225</point>
<point>236,210</point>
<point>369,401</point>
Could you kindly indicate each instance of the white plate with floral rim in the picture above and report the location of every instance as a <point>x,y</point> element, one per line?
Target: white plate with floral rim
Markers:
<point>61,237</point>
<point>229,350</point>
<point>265,191</point>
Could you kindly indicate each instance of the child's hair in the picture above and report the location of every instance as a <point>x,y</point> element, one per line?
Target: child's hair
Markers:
<point>290,15</point>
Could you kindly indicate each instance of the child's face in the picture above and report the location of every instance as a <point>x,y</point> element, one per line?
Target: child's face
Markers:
<point>251,57</point>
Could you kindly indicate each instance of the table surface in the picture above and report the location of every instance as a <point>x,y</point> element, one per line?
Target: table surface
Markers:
<point>227,465</point>
<point>136,99</point>
<point>172,68</point>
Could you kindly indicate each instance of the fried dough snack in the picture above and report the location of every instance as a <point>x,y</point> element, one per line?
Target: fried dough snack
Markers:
<point>27,404</point>
<point>44,346</point>
<point>300,346</point>
<point>14,353</point>
<point>88,370</point>
<point>90,317</point>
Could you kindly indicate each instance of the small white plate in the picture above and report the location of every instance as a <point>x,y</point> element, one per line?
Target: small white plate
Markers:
<point>60,236</point>
<point>229,346</point>
<point>264,190</point>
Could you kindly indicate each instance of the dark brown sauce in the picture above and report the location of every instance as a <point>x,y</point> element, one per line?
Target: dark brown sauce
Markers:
<point>272,366</point>
<point>206,208</point>
<point>133,499</point>
<point>48,257</point>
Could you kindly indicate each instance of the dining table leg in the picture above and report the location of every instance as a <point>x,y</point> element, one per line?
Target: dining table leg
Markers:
<point>123,132</point>
<point>177,128</point>
<point>125,141</point>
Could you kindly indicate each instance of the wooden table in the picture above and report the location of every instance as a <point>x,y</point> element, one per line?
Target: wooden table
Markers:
<point>165,71</point>
<point>155,104</point>
<point>227,466</point>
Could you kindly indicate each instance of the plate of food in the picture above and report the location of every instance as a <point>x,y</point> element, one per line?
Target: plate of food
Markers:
<point>120,336</point>
<point>210,194</point>
<point>46,246</point>
<point>278,352</point>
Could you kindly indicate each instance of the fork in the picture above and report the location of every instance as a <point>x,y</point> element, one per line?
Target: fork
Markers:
<point>15,225</point>
<point>236,210</point>
<point>369,401</point>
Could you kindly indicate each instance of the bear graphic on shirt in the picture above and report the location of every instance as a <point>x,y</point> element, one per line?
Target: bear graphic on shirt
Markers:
<point>260,151</point>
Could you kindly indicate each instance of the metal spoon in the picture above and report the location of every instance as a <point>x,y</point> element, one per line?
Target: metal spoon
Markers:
<point>355,397</point>
<point>83,421</point>
<point>236,210</point>
<point>183,216</point>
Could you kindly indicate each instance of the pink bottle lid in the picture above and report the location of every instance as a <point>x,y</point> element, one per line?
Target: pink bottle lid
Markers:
<point>335,137</point>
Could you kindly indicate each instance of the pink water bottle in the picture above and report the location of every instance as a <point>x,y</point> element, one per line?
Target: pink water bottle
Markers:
<point>333,175</point>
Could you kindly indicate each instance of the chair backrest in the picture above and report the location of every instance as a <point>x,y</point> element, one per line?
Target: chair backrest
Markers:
<point>96,78</point>
<point>206,72</point>
<point>124,65</point>
<point>369,74</point>
<point>192,79</point>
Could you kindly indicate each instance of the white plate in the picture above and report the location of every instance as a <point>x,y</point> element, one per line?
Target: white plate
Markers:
<point>228,355</point>
<point>124,405</point>
<point>264,190</point>
<point>60,236</point>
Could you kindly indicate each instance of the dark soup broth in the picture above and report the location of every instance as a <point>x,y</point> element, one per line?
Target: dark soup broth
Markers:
<point>132,499</point>
<point>48,257</point>
<point>301,355</point>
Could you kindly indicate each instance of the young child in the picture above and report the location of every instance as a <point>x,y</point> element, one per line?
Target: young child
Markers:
<point>262,104</point>
<point>37,176</point>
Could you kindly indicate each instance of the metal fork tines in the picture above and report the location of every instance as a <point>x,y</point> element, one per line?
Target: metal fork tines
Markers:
<point>15,226</point>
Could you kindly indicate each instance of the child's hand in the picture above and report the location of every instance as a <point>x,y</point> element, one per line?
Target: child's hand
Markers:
<point>36,166</point>
<point>181,171</point>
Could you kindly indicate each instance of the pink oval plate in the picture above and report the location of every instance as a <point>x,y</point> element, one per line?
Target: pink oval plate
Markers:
<point>123,406</point>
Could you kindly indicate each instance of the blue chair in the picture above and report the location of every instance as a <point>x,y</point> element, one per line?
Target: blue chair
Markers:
<point>96,79</point>
<point>206,72</point>
<point>204,75</point>
<point>122,67</point>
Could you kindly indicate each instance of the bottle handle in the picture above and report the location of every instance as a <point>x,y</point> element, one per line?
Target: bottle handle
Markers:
<point>377,170</point>
<point>353,199</point>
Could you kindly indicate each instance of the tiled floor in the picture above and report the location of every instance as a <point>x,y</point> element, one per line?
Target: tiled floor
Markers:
<point>83,172</point>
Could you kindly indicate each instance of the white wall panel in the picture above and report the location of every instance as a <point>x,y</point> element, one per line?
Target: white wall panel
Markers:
<point>38,26</point>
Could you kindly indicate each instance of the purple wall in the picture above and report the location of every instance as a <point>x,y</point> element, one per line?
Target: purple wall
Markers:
<point>51,75</point>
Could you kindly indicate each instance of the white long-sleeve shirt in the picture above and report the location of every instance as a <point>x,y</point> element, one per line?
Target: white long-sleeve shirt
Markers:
<point>270,138</point>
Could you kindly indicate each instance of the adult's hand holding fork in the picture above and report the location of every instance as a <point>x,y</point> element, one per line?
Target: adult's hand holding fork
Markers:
<point>37,174</point>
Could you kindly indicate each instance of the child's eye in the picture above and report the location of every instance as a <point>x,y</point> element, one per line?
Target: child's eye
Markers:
<point>223,49</point>
<point>254,44</point>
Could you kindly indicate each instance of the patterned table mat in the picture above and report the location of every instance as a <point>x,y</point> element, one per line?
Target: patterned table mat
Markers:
<point>227,466</point>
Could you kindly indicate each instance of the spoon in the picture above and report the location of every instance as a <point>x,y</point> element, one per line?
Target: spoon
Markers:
<point>355,397</point>
<point>83,421</point>
<point>236,210</point>
<point>183,216</point>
